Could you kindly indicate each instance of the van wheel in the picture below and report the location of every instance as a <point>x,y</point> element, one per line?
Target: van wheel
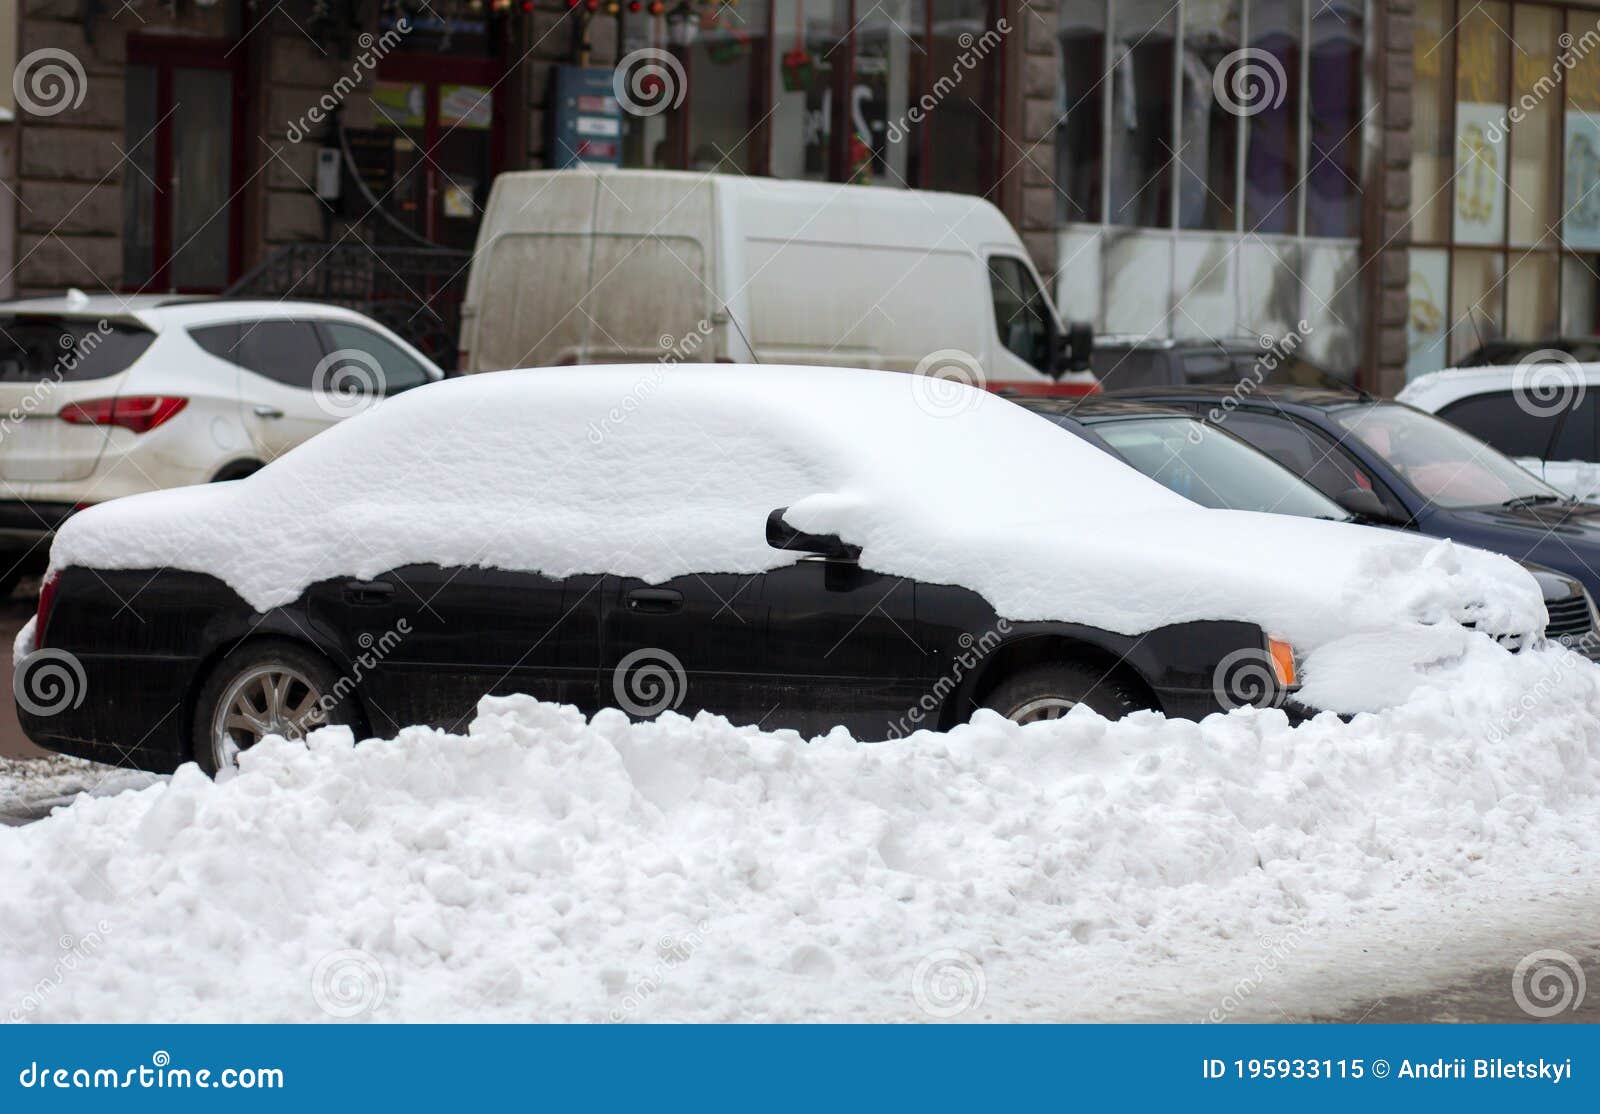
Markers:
<point>1050,691</point>
<point>262,688</point>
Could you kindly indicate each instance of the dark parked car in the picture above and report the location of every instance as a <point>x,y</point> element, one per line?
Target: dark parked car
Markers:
<point>1122,363</point>
<point>1218,470</point>
<point>796,548</point>
<point>1390,464</point>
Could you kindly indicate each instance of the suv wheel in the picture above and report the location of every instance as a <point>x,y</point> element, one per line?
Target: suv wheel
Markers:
<point>1050,691</point>
<point>264,688</point>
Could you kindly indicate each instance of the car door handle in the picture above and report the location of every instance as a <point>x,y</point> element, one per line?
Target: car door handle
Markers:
<point>656,601</point>
<point>368,591</point>
<point>266,411</point>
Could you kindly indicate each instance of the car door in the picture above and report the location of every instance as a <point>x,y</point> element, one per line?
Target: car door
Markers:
<point>278,361</point>
<point>1572,465</point>
<point>429,642</point>
<point>807,646</point>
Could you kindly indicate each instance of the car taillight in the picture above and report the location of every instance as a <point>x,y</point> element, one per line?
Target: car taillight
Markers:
<point>47,597</point>
<point>140,413</point>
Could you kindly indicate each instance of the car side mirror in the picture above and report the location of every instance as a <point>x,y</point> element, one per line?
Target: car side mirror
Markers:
<point>1364,504</point>
<point>780,535</point>
<point>1074,348</point>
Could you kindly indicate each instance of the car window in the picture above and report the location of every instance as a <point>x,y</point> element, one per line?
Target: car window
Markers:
<point>219,340</point>
<point>1500,418</point>
<point>1213,469</point>
<point>286,351</point>
<point>396,370</point>
<point>1020,311</point>
<point>1576,438</point>
<point>1121,367</point>
<point>1309,454</point>
<point>66,350</point>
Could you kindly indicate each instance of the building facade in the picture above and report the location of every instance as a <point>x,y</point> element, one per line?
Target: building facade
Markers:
<point>1360,173</point>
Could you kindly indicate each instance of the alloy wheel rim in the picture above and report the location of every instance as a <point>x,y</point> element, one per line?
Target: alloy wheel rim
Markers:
<point>1040,709</point>
<point>269,699</point>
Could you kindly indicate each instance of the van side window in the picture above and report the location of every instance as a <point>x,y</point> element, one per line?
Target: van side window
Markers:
<point>1500,419</point>
<point>1021,313</point>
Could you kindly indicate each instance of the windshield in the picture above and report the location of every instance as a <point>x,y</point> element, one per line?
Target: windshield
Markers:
<point>1447,466</point>
<point>1213,468</point>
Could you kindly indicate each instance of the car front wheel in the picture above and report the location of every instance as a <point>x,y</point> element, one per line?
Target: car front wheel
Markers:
<point>265,688</point>
<point>1050,691</point>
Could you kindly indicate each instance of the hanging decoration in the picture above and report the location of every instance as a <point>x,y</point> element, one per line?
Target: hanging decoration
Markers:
<point>798,68</point>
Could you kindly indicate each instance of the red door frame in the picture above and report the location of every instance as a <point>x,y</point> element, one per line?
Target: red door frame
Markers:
<point>164,54</point>
<point>432,72</point>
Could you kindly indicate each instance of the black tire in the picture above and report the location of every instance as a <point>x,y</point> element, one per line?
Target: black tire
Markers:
<point>1041,689</point>
<point>306,673</point>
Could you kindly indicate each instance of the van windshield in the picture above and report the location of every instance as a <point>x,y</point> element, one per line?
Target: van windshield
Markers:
<point>34,349</point>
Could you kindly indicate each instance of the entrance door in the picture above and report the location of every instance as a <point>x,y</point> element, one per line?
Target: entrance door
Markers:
<point>437,117</point>
<point>180,184</point>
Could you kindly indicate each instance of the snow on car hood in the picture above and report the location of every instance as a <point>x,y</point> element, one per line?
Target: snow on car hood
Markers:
<point>655,471</point>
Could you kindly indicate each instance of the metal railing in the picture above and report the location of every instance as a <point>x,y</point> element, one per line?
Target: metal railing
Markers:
<point>415,291</point>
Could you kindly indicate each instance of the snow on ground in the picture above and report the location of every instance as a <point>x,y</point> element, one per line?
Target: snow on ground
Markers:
<point>544,867</point>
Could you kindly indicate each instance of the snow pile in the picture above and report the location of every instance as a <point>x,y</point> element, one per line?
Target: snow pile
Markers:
<point>541,867</point>
<point>658,472</point>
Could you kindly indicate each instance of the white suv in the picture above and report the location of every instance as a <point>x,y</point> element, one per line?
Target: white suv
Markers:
<point>107,396</point>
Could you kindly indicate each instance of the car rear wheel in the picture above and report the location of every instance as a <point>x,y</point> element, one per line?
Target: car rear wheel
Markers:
<point>265,688</point>
<point>1044,692</point>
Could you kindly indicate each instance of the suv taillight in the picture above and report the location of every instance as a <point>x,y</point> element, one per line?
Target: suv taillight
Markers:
<point>140,413</point>
<point>47,597</point>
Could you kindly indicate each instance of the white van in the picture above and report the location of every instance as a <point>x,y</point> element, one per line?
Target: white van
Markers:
<point>609,266</point>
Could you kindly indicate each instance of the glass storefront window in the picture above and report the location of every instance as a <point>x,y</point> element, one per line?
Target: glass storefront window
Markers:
<point>1482,60</point>
<point>1272,132</point>
<point>1433,67</point>
<point>1208,158</point>
<point>1580,222</point>
<point>1535,194</point>
<point>1476,293</point>
<point>1080,111</point>
<point>1533,301</point>
<point>1144,33</point>
<point>810,45</point>
<point>723,70</point>
<point>1334,80</point>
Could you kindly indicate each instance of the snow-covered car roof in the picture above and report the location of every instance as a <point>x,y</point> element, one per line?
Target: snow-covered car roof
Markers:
<point>653,472</point>
<point>1438,389</point>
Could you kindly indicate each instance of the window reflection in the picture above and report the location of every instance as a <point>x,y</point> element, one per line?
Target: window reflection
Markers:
<point>1143,36</point>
